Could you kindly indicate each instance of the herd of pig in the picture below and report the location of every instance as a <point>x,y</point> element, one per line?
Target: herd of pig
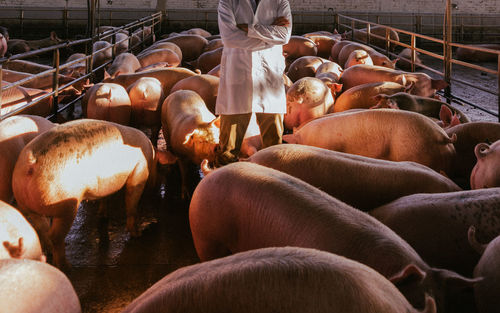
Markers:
<point>383,198</point>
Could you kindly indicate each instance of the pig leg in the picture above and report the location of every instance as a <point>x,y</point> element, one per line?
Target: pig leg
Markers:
<point>134,187</point>
<point>184,165</point>
<point>60,227</point>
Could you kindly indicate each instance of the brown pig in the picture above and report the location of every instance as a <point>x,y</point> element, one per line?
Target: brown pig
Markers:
<point>337,47</point>
<point>214,44</point>
<point>427,106</point>
<point>468,136</point>
<point>305,66</point>
<point>295,279</point>
<point>376,57</point>
<point>192,46</point>
<point>383,134</point>
<point>436,225</point>
<point>16,97</point>
<point>244,206</point>
<point>208,60</point>
<point>354,174</point>
<point>207,86</point>
<point>190,129</point>
<point>324,44</point>
<point>306,99</point>
<point>109,102</point>
<point>168,77</point>
<point>299,46</point>
<point>362,96</point>
<point>124,63</point>
<point>19,239</point>
<point>358,57</point>
<point>422,84</point>
<point>83,159</point>
<point>165,45</point>
<point>34,287</point>
<point>487,289</point>
<point>15,132</point>
<point>197,31</point>
<point>26,66</point>
<point>146,98</point>
<point>159,55</point>
<point>44,82</point>
<point>472,55</point>
<point>486,172</point>
<point>404,59</point>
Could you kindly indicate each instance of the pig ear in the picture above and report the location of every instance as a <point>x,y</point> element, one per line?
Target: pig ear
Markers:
<point>290,138</point>
<point>445,115</point>
<point>410,273</point>
<point>215,122</point>
<point>438,84</point>
<point>471,236</point>
<point>395,61</point>
<point>481,149</point>
<point>106,74</point>
<point>409,86</point>
<point>188,141</point>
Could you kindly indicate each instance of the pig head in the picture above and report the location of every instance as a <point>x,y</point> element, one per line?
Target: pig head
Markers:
<point>486,173</point>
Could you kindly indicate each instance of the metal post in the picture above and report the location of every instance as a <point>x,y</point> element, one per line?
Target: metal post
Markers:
<point>352,30</point>
<point>55,82</point>
<point>368,33</point>
<point>337,22</point>
<point>387,40</point>
<point>498,87</point>
<point>413,52</point>
<point>447,50</point>
<point>1,73</point>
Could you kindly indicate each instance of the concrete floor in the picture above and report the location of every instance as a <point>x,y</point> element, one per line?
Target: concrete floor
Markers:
<point>109,268</point>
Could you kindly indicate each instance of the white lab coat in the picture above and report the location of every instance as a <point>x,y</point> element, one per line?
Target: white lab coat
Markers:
<point>252,65</point>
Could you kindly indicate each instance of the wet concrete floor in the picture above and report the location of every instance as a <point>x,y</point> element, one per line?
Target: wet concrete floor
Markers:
<point>109,268</point>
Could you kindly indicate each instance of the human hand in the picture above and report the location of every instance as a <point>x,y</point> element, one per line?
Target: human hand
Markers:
<point>281,21</point>
<point>243,27</point>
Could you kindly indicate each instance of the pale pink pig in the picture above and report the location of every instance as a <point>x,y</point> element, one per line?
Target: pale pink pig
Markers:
<point>191,45</point>
<point>306,99</point>
<point>299,46</point>
<point>324,43</point>
<point>165,45</point>
<point>207,86</point>
<point>486,172</point>
<point>362,96</point>
<point>17,237</point>
<point>34,287</point>
<point>358,57</point>
<point>346,176</point>
<point>244,206</point>
<point>329,71</point>
<point>336,48</point>
<point>15,132</point>
<point>295,279</point>
<point>383,134</point>
<point>125,63</point>
<point>422,84</point>
<point>109,102</point>
<point>208,60</point>
<point>81,160</point>
<point>376,57</point>
<point>436,225</point>
<point>305,66</point>
<point>159,55</point>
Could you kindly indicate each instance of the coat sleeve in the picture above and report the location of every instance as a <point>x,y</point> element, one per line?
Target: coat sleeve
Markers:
<point>232,36</point>
<point>272,34</point>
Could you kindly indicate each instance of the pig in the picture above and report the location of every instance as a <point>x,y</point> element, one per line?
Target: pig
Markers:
<point>197,31</point>
<point>358,57</point>
<point>305,66</point>
<point>362,96</point>
<point>380,134</point>
<point>3,45</point>
<point>427,106</point>
<point>487,289</point>
<point>83,159</point>
<point>19,239</point>
<point>213,44</point>
<point>76,69</point>
<point>15,132</point>
<point>168,77</point>
<point>472,55</point>
<point>141,37</point>
<point>468,136</point>
<point>190,129</point>
<point>44,82</point>
<point>26,66</point>
<point>321,282</point>
<point>102,55</point>
<point>208,60</point>
<point>34,287</point>
<point>443,220</point>
<point>404,60</point>
<point>376,57</point>
<point>121,42</point>
<point>146,97</point>
<point>486,172</point>
<point>109,102</point>
<point>299,46</point>
<point>375,33</point>
<point>323,43</point>
<point>354,175</point>
<point>153,66</point>
<point>191,45</point>
<point>15,98</point>
<point>306,99</point>
<point>159,55</point>
<point>165,45</point>
<point>252,141</point>
<point>422,84</point>
<point>17,46</point>
<point>278,210</point>
<point>125,63</point>
<point>337,47</point>
<point>329,71</point>
<point>207,86</point>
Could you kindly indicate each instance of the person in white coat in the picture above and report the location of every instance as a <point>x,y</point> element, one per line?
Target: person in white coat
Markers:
<point>251,75</point>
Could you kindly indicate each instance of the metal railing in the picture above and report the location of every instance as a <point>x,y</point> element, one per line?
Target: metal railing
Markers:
<point>153,21</point>
<point>343,22</point>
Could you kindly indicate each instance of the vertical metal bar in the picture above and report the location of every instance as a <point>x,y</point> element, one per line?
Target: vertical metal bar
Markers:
<point>368,33</point>
<point>418,28</point>
<point>22,23</point>
<point>337,22</point>
<point>352,30</point>
<point>143,45</point>
<point>413,52</point>
<point>55,82</point>
<point>387,40</point>
<point>498,87</point>
<point>65,22</point>
<point>1,76</point>
<point>447,50</point>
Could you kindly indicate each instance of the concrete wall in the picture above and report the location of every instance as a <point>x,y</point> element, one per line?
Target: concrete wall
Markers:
<point>415,6</point>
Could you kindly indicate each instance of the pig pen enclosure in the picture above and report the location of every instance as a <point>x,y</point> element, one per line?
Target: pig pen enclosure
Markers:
<point>109,267</point>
